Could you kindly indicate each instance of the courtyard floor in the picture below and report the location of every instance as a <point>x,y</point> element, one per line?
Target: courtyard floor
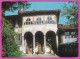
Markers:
<point>40,55</point>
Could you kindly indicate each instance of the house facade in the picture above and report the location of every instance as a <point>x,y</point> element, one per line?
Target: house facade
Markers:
<point>39,31</point>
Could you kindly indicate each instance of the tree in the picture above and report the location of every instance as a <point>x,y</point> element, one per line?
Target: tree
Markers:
<point>8,42</point>
<point>71,12</point>
<point>12,6</point>
<point>8,34</point>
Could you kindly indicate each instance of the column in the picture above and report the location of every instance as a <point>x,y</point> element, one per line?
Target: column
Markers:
<point>44,44</point>
<point>23,46</point>
<point>33,44</point>
<point>57,42</point>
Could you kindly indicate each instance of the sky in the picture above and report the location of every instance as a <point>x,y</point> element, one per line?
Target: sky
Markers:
<point>44,6</point>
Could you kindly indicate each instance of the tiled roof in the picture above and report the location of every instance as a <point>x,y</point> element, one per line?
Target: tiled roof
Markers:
<point>34,12</point>
<point>39,11</point>
<point>60,26</point>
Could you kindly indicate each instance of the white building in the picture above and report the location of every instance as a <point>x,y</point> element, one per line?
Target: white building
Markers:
<point>38,30</point>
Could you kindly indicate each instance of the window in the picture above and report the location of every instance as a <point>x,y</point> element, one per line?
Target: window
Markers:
<point>70,34</point>
<point>65,34</point>
<point>39,20</point>
<point>35,22</point>
<point>50,22</point>
<point>28,21</point>
<point>49,19</point>
<point>46,22</point>
<point>53,22</point>
<point>42,22</point>
<point>73,34</point>
<point>31,22</point>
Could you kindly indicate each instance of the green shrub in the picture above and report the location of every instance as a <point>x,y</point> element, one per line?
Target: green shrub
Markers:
<point>8,41</point>
<point>15,54</point>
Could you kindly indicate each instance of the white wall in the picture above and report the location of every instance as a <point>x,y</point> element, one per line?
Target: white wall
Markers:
<point>39,27</point>
<point>43,28</point>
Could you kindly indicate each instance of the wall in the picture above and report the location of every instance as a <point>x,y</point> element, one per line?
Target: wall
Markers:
<point>39,27</point>
<point>44,28</point>
<point>69,40</point>
<point>68,50</point>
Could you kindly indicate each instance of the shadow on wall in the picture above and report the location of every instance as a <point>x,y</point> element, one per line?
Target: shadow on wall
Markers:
<point>51,39</point>
<point>68,50</point>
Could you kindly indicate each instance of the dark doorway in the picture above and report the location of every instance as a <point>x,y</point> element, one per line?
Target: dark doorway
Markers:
<point>51,42</point>
<point>39,38</point>
<point>29,42</point>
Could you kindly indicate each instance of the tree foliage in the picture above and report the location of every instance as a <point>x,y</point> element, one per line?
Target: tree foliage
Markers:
<point>12,6</point>
<point>8,34</point>
<point>71,12</point>
<point>8,41</point>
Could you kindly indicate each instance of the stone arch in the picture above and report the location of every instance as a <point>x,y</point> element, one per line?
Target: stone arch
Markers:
<point>25,31</point>
<point>39,39</point>
<point>28,37</point>
<point>50,30</point>
<point>51,41</point>
<point>38,31</point>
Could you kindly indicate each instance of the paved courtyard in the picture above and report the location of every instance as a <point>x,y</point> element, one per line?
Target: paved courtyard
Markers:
<point>40,55</point>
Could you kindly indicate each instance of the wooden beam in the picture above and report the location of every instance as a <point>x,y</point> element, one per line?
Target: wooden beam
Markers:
<point>33,20</point>
<point>44,19</point>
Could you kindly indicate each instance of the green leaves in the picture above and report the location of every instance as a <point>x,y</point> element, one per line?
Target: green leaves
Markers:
<point>15,54</point>
<point>12,6</point>
<point>8,34</point>
<point>71,12</point>
<point>8,41</point>
<point>6,29</point>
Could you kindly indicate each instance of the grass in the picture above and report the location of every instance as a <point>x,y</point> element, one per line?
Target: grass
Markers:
<point>40,55</point>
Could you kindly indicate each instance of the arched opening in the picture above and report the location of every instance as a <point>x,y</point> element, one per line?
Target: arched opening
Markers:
<point>39,39</point>
<point>51,42</point>
<point>29,42</point>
